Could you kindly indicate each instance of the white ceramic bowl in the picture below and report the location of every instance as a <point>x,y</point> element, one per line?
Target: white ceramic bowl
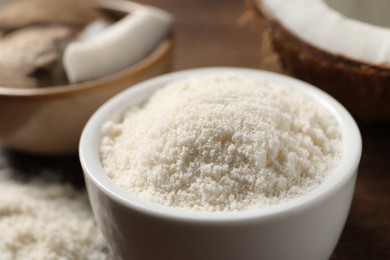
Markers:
<point>304,228</point>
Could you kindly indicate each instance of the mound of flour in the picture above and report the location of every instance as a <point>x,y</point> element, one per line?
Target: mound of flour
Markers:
<point>222,142</point>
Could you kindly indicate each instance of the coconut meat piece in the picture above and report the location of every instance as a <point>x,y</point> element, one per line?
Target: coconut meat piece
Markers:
<point>117,47</point>
<point>318,24</point>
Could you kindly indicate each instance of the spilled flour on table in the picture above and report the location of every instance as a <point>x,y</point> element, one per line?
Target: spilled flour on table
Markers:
<point>40,220</point>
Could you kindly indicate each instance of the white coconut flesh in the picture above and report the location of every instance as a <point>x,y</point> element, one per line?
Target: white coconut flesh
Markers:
<point>355,29</point>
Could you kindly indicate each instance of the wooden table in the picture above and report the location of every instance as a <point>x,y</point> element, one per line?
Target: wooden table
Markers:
<point>212,33</point>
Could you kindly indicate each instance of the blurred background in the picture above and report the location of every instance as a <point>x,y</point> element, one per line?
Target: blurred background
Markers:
<point>212,33</point>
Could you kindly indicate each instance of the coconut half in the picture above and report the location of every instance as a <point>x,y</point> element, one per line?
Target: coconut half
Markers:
<point>342,47</point>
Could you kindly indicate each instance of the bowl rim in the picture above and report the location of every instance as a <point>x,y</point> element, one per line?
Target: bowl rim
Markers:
<point>342,174</point>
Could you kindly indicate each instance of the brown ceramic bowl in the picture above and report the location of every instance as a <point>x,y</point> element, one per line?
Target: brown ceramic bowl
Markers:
<point>50,120</point>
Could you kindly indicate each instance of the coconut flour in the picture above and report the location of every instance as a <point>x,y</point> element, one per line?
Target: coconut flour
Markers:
<point>47,221</point>
<point>222,142</point>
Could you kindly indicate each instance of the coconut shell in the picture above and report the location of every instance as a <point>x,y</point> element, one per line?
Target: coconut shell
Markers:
<point>364,89</point>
